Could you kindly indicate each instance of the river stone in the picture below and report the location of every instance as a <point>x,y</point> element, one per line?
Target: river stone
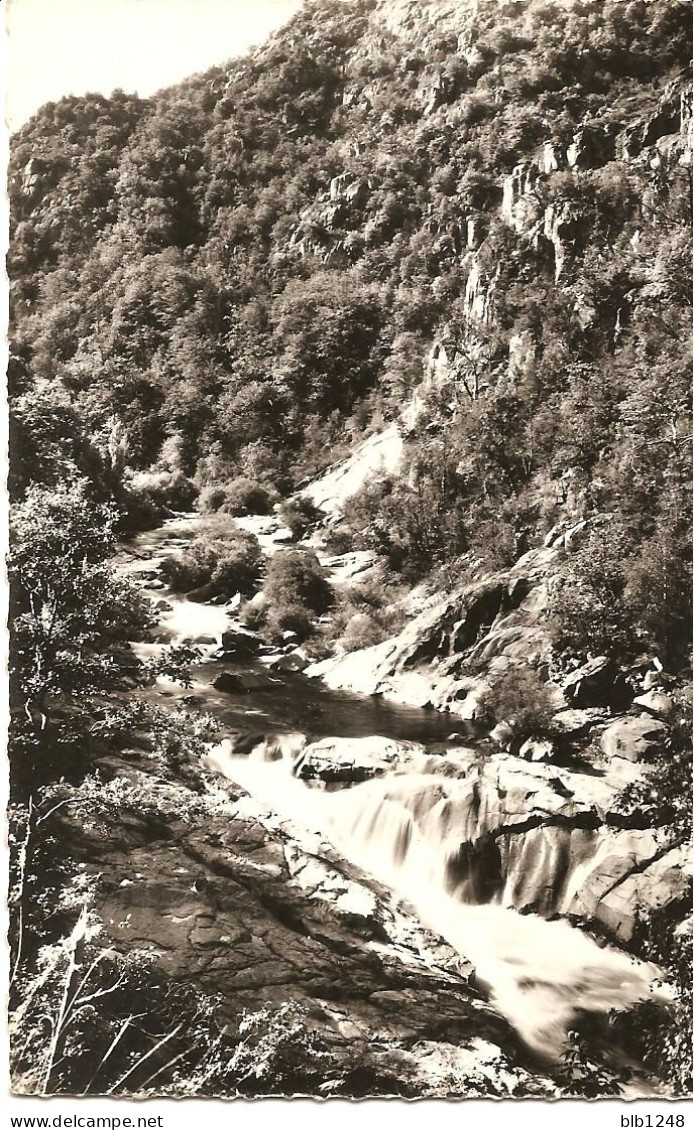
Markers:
<point>240,644</point>
<point>149,575</point>
<point>357,759</point>
<point>656,703</point>
<point>635,739</point>
<point>230,684</point>
<point>293,662</point>
<point>206,594</point>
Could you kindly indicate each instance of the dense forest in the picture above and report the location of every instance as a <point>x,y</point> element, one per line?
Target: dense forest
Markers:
<point>238,277</point>
<point>468,220</point>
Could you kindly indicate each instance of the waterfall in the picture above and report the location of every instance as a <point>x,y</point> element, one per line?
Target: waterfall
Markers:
<point>415,834</point>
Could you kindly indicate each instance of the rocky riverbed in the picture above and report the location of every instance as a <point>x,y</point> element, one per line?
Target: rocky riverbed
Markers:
<point>361,857</point>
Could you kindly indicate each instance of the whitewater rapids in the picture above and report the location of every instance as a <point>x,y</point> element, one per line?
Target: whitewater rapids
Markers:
<point>539,974</point>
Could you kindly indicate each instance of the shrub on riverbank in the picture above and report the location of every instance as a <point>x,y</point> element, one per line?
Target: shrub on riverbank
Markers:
<point>221,557</point>
<point>165,490</point>
<point>299,515</point>
<point>147,497</point>
<point>366,614</point>
<point>520,700</point>
<point>237,498</point>
<point>295,592</point>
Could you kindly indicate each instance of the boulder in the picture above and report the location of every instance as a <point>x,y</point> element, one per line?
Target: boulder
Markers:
<point>535,749</point>
<point>592,147</point>
<point>596,683</point>
<point>656,703</point>
<point>578,723</point>
<point>635,739</point>
<point>259,681</point>
<point>239,644</point>
<point>629,874</point>
<point>357,759</point>
<point>665,880</point>
<point>205,594</point>
<point>244,684</point>
<point>230,684</point>
<point>288,664</point>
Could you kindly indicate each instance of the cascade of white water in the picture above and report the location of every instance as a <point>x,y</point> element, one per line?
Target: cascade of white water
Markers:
<point>404,830</point>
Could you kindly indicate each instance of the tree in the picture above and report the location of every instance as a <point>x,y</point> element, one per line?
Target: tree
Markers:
<point>71,618</point>
<point>71,615</point>
<point>619,595</point>
<point>327,335</point>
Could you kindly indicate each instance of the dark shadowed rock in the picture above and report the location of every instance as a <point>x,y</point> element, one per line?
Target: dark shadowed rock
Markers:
<point>230,684</point>
<point>597,683</point>
<point>239,644</point>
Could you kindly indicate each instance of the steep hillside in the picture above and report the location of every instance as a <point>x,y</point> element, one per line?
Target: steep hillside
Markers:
<point>478,211</point>
<point>416,276</point>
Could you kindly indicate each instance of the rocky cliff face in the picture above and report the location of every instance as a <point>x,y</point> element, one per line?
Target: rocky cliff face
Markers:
<point>528,832</point>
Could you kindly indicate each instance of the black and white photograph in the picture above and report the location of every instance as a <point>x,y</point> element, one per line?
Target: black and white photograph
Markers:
<point>349,477</point>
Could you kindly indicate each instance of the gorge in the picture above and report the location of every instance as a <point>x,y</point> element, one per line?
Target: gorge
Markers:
<point>465,837</point>
<point>350,571</point>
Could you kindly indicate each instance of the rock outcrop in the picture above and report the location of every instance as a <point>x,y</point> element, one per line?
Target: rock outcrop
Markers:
<point>521,205</point>
<point>227,897</point>
<point>436,659</point>
<point>379,454</point>
<point>636,739</point>
<point>532,837</point>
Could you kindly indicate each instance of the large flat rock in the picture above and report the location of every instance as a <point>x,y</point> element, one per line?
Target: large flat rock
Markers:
<point>231,898</point>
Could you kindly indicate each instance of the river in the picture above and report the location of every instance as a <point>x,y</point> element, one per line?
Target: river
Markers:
<point>540,974</point>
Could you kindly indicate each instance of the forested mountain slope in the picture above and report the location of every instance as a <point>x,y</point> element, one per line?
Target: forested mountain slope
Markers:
<point>254,265</point>
<point>428,263</point>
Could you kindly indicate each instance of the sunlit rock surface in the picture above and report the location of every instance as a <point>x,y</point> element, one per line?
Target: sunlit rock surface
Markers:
<point>243,902</point>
